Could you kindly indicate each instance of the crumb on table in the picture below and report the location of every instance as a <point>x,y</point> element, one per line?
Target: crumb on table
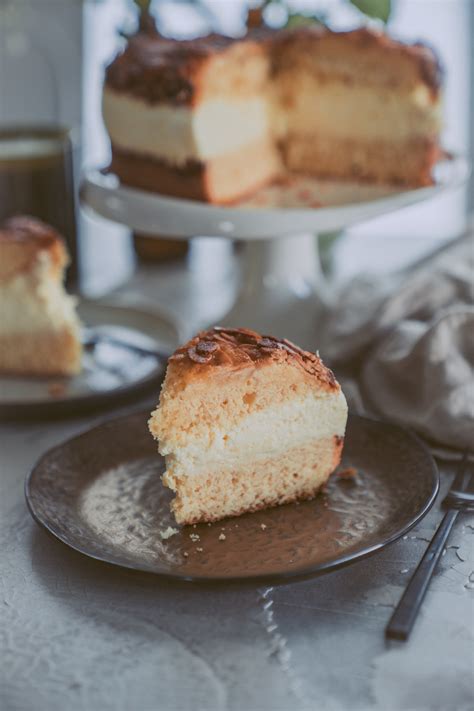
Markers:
<point>222,537</point>
<point>347,473</point>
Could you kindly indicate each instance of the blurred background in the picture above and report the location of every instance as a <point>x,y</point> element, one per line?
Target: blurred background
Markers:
<point>52,59</point>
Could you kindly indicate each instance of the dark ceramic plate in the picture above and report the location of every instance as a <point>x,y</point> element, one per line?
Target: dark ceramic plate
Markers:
<point>101,494</point>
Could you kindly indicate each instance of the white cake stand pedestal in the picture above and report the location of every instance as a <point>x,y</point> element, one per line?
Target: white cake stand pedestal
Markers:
<point>282,287</point>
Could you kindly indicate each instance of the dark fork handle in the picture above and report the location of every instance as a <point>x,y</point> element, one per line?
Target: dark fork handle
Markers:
<point>404,616</point>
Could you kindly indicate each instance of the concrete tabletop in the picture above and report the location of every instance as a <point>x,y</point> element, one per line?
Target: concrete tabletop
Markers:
<point>76,634</point>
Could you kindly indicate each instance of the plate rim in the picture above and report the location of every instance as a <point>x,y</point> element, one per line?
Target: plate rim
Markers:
<point>53,408</point>
<point>280,578</point>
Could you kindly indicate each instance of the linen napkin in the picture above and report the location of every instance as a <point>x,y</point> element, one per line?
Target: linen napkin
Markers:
<point>403,347</point>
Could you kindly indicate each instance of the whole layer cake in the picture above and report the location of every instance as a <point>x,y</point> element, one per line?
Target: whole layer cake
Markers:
<point>216,118</point>
<point>246,421</point>
<point>39,329</point>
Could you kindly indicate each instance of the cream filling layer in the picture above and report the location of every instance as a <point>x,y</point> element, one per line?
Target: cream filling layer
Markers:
<point>298,103</point>
<point>179,134</point>
<point>332,109</point>
<point>260,435</point>
<point>34,302</point>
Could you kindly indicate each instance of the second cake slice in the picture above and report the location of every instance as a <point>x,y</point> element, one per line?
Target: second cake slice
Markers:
<point>246,421</point>
<point>39,327</point>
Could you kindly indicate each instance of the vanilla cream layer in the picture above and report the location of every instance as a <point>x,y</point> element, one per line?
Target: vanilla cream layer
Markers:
<point>299,104</point>
<point>34,302</point>
<point>305,104</point>
<point>179,134</point>
<point>259,435</point>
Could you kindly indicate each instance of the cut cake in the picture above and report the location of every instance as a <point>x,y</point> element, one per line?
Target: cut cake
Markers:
<point>216,118</point>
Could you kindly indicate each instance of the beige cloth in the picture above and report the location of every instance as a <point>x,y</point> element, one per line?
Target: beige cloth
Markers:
<point>404,346</point>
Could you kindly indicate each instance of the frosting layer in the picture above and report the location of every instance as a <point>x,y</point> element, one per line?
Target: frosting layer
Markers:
<point>180,134</point>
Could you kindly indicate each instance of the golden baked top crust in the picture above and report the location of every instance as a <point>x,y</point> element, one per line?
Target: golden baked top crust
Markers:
<point>159,69</point>
<point>22,240</point>
<point>23,228</point>
<point>359,52</point>
<point>236,348</point>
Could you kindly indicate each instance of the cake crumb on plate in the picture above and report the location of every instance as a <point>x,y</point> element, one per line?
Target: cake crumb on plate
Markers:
<point>167,533</point>
<point>347,473</point>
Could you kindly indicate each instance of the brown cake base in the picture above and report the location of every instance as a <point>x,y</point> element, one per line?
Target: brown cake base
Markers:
<point>222,180</point>
<point>294,476</point>
<point>408,163</point>
<point>45,353</point>
<point>235,176</point>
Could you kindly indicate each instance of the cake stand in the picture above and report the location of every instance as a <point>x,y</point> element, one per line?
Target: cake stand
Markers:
<point>282,287</point>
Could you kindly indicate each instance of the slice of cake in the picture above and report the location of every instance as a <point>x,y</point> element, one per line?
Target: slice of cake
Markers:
<point>190,118</point>
<point>246,421</point>
<point>39,329</point>
<point>215,118</point>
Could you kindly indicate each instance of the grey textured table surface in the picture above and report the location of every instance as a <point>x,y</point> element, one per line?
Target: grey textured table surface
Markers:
<point>79,635</point>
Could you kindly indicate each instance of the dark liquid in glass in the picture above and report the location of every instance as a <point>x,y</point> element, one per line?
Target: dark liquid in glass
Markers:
<point>36,178</point>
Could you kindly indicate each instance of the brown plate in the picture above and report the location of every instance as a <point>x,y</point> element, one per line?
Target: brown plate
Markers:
<point>101,494</point>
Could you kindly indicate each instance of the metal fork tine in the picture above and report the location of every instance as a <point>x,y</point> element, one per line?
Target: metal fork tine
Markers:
<point>469,488</point>
<point>463,482</point>
<point>91,339</point>
<point>459,479</point>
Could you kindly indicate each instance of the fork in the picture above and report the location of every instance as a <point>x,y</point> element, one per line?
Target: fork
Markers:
<point>92,338</point>
<point>460,498</point>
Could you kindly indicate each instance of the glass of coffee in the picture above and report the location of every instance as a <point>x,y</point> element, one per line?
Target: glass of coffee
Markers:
<point>37,179</point>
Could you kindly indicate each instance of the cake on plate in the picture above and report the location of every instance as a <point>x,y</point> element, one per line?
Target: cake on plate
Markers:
<point>244,422</point>
<point>39,328</point>
<point>216,118</point>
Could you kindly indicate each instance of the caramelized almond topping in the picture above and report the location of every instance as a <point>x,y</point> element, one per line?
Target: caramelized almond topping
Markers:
<point>239,347</point>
